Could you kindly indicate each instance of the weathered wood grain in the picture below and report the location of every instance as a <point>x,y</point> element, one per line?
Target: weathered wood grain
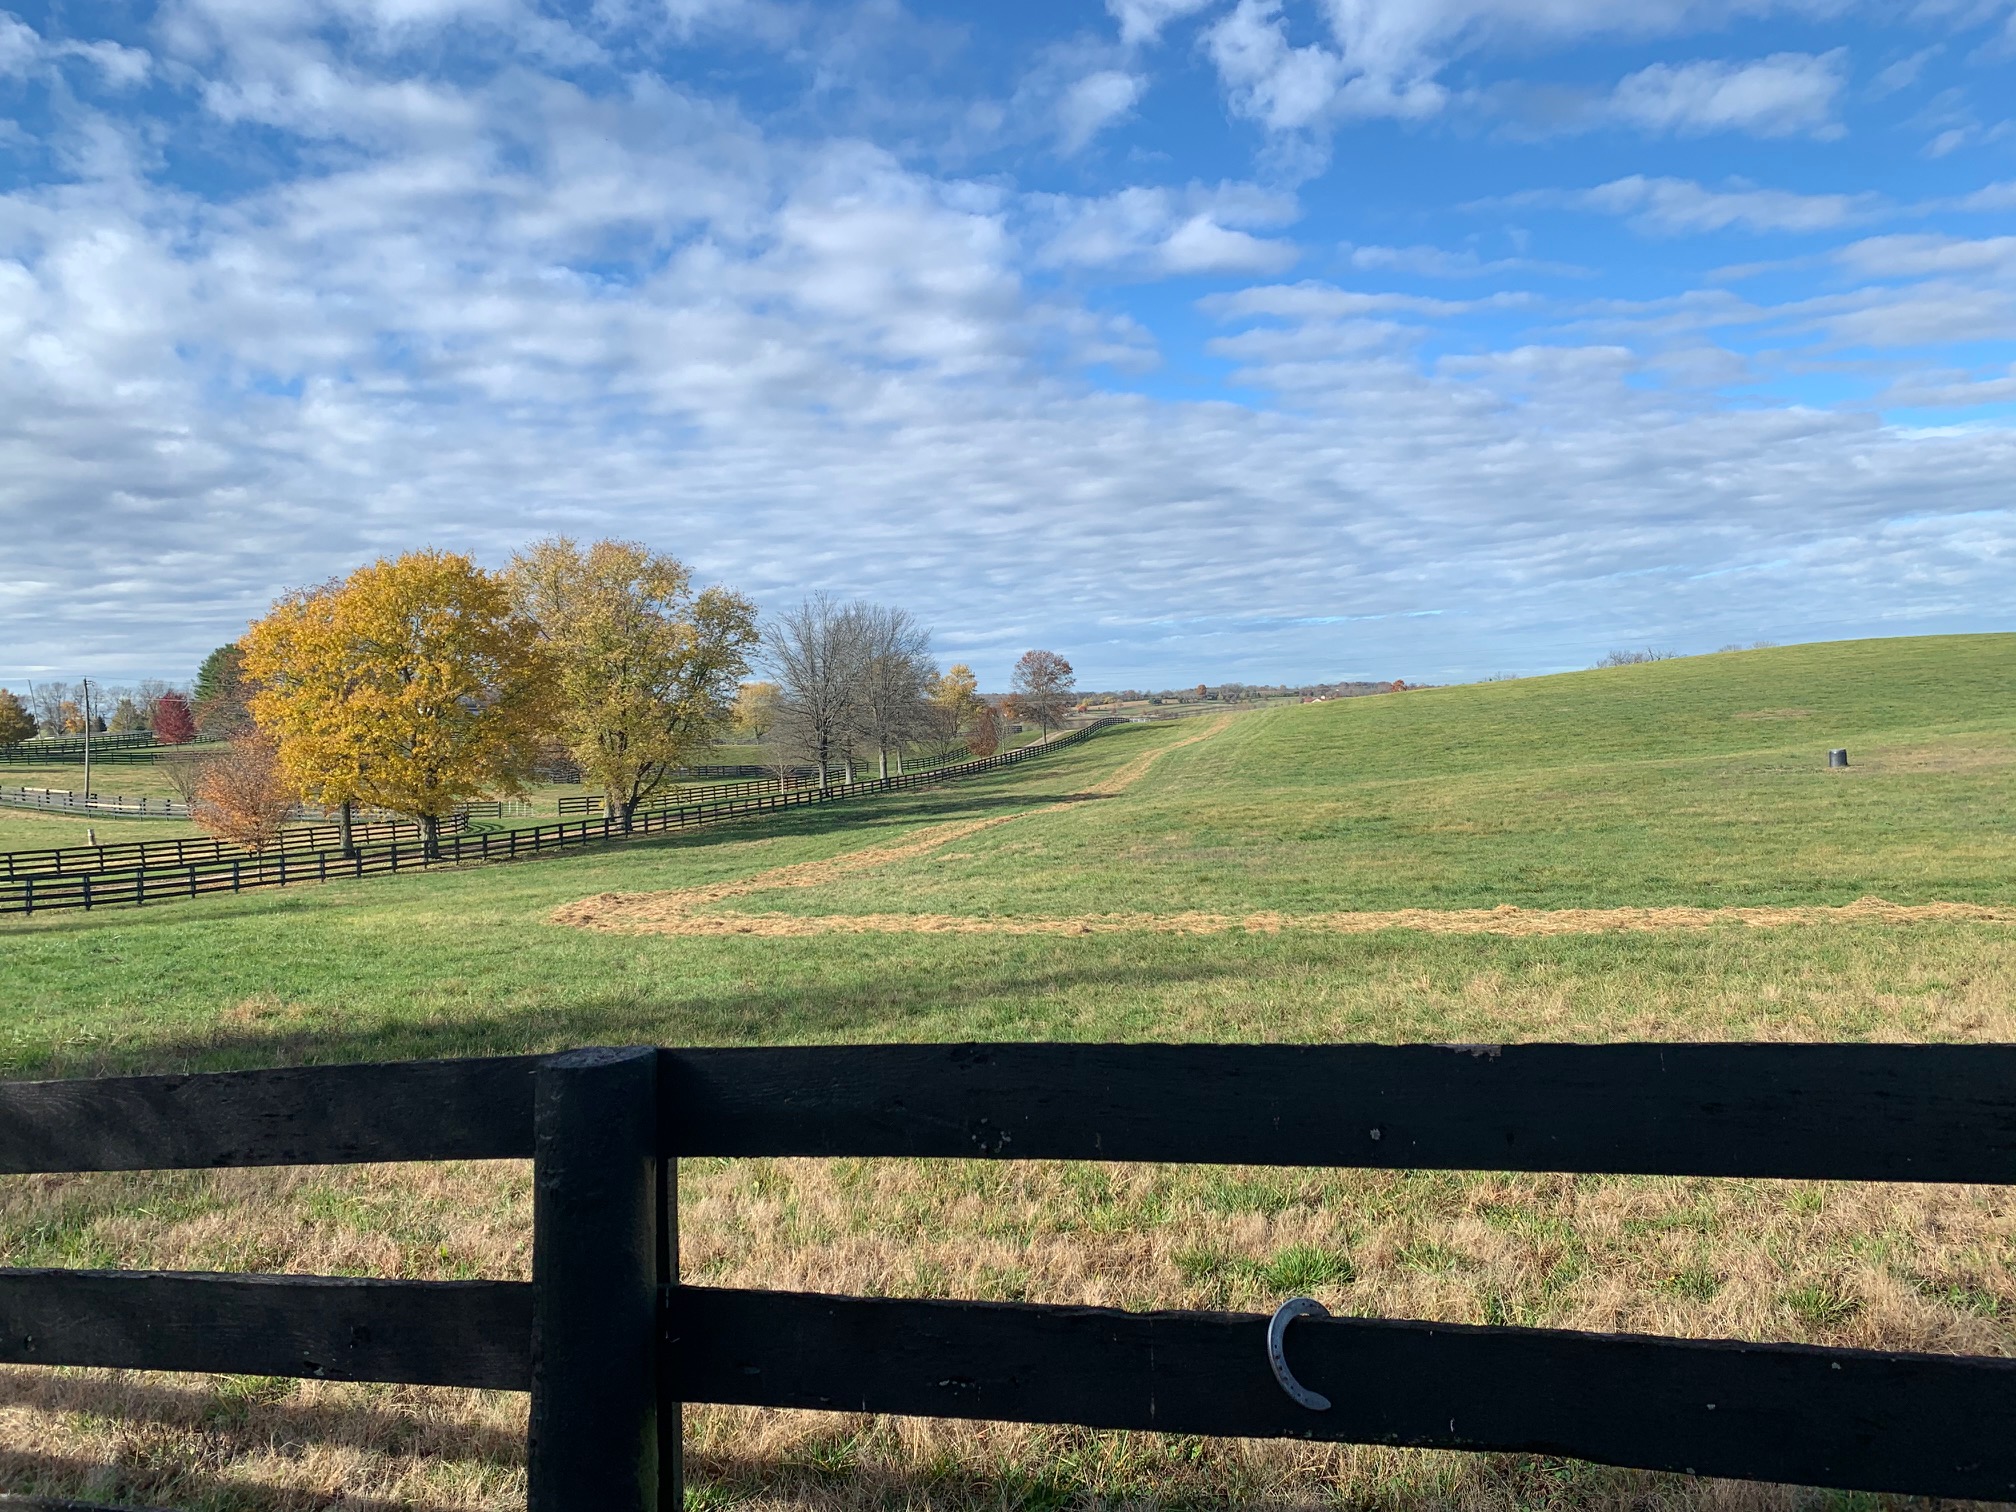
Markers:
<point>1848,1112</point>
<point>307,1115</point>
<point>338,1328</point>
<point>1932,1425</point>
<point>593,1444</point>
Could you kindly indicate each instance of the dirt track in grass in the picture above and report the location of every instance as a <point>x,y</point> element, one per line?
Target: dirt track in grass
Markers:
<point>694,911</point>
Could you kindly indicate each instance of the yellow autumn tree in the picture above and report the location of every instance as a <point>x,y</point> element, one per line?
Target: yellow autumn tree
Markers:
<point>412,685</point>
<point>302,672</point>
<point>955,703</point>
<point>16,723</point>
<point>646,668</point>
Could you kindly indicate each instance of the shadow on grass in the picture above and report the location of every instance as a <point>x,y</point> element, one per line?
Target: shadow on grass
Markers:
<point>871,1009</point>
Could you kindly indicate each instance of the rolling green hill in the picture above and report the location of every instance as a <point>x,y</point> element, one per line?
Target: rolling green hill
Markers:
<point>1697,783</point>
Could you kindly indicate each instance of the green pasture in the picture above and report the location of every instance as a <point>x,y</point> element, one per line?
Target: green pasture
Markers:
<point>1650,784</point>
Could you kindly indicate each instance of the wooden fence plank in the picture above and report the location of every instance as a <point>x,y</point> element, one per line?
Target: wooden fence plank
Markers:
<point>1846,1112</point>
<point>1928,1424</point>
<point>340,1328</point>
<point>306,1115</point>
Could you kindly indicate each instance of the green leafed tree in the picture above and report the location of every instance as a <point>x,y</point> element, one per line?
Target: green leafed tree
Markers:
<point>220,694</point>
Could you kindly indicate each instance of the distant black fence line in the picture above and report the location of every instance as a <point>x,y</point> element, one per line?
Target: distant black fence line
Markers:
<point>125,749</point>
<point>118,806</point>
<point>149,882</point>
<point>610,1343</point>
<point>770,781</point>
<point>155,855</point>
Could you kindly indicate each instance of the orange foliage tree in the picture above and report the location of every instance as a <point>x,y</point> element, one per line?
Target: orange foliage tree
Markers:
<point>244,796</point>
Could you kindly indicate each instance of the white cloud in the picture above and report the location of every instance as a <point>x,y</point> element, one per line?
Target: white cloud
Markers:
<point>1916,256</point>
<point>1094,102</point>
<point>1284,87</point>
<point>1437,262</point>
<point>1163,231</point>
<point>1673,206</point>
<point>1950,388</point>
<point>1312,300</point>
<point>20,45</point>
<point>1385,58</point>
<point>2000,196</point>
<point>1787,94</point>
<point>23,50</point>
<point>1142,20</point>
<point>1903,73</point>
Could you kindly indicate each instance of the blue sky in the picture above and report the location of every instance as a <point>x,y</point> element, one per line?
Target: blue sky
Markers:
<point>1222,340</point>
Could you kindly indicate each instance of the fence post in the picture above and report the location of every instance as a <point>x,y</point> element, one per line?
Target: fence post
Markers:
<point>593,1445</point>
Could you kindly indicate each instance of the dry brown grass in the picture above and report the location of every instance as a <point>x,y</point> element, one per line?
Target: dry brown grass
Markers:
<point>1883,1266</point>
<point>669,913</point>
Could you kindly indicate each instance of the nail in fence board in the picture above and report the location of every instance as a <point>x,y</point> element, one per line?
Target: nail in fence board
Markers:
<point>1847,1418</point>
<point>1846,1112</point>
<point>337,1328</point>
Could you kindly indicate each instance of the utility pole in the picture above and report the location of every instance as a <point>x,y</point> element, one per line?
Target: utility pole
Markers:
<point>87,741</point>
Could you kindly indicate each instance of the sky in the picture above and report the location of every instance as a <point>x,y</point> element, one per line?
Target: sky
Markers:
<point>1197,340</point>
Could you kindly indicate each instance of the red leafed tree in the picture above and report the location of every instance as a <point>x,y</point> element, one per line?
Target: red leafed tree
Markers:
<point>983,729</point>
<point>173,723</point>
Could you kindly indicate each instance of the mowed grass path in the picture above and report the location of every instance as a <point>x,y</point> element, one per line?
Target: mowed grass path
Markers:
<point>1699,782</point>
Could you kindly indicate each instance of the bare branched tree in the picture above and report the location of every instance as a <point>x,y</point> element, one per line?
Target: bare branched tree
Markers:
<point>1044,688</point>
<point>819,652</point>
<point>896,681</point>
<point>184,770</point>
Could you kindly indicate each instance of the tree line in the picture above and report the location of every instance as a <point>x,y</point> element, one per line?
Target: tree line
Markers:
<point>420,682</point>
<point>174,714</point>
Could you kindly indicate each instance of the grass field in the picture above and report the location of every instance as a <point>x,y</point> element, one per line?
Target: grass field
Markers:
<point>1676,858</point>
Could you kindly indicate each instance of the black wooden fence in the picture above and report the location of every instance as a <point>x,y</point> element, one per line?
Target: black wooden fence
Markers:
<point>710,791</point>
<point>178,855</point>
<point>68,750</point>
<point>610,1343</point>
<point>707,783</point>
<point>31,893</point>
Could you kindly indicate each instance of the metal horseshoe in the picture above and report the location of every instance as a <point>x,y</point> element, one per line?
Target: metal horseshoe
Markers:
<point>1277,1354</point>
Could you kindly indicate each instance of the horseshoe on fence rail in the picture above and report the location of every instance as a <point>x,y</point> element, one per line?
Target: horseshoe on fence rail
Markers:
<point>1277,1354</point>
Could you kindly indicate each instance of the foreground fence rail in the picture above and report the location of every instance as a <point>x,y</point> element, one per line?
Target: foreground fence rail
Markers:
<point>610,1344</point>
<point>33,890</point>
